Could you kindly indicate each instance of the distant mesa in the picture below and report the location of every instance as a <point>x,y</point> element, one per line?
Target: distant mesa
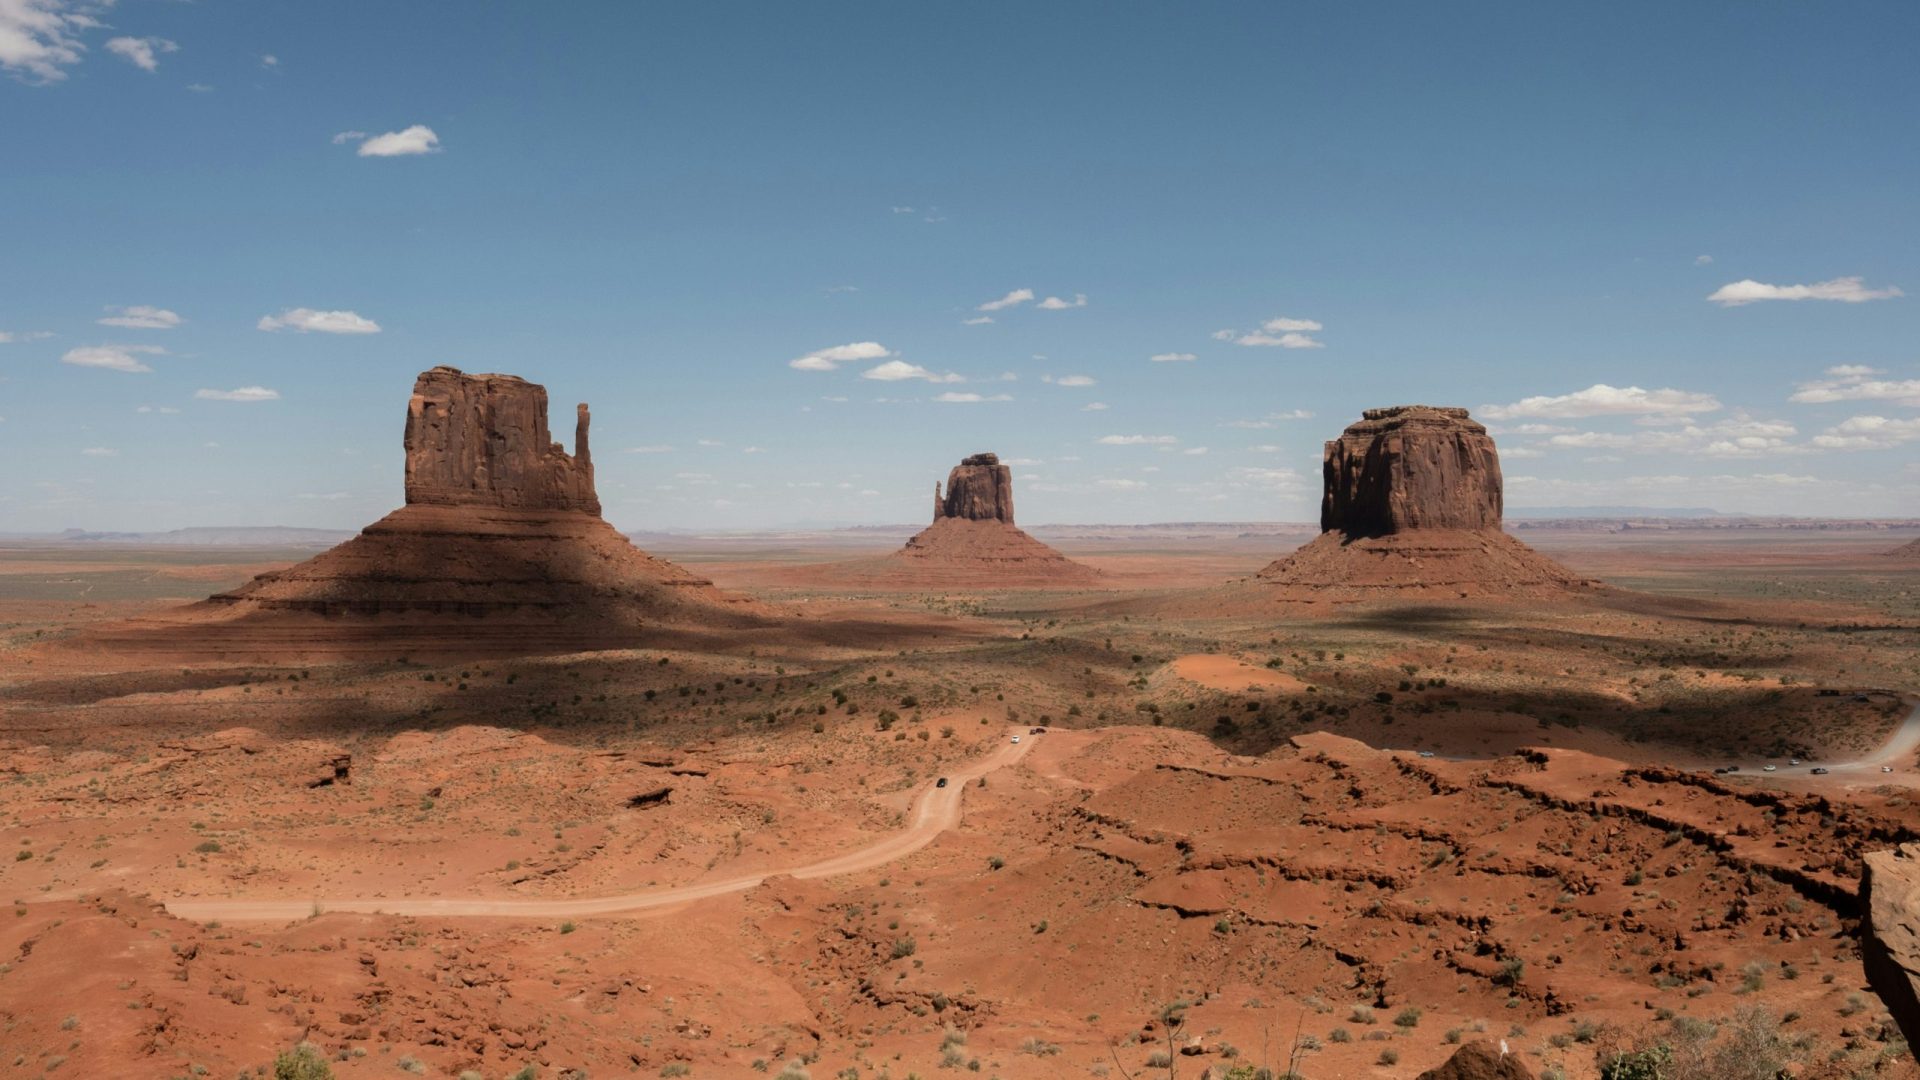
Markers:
<point>500,549</point>
<point>1411,507</point>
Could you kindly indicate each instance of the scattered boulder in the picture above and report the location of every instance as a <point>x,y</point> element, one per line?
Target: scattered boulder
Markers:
<point>1890,941</point>
<point>1479,1060</point>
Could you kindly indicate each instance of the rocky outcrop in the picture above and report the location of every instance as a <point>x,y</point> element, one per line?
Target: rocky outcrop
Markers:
<point>500,549</point>
<point>1410,467</point>
<point>1909,551</point>
<point>482,440</point>
<point>978,489</point>
<point>1479,1060</point>
<point>1411,509</point>
<point>1890,940</point>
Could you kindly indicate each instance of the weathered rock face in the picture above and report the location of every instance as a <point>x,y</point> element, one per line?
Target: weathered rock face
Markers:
<point>1411,467</point>
<point>1890,941</point>
<point>978,489</point>
<point>482,440</point>
<point>1412,507</point>
<point>1479,1060</point>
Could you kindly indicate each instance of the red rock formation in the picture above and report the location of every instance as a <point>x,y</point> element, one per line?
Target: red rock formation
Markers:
<point>978,489</point>
<point>481,440</point>
<point>1411,467</point>
<point>1890,940</point>
<point>500,549</point>
<point>1479,1060</point>
<point>1411,507</point>
<point>972,544</point>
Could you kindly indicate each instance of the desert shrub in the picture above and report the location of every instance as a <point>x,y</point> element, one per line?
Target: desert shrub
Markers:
<point>1361,1014</point>
<point>303,1062</point>
<point>904,947</point>
<point>794,1071</point>
<point>1409,1018</point>
<point>1389,1057</point>
<point>676,1068</point>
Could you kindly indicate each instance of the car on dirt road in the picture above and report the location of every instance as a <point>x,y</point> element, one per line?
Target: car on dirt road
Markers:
<point>1819,770</point>
<point>1016,738</point>
<point>942,782</point>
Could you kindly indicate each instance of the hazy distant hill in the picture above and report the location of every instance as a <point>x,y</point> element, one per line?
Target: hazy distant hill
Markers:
<point>1589,512</point>
<point>206,536</point>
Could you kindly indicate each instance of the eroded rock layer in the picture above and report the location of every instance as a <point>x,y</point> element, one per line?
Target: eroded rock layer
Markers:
<point>1411,509</point>
<point>500,549</point>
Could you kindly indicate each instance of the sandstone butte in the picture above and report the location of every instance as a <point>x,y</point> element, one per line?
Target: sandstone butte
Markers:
<point>971,544</point>
<point>1411,507</point>
<point>500,547</point>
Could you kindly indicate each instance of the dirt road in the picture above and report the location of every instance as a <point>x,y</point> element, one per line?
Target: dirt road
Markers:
<point>934,811</point>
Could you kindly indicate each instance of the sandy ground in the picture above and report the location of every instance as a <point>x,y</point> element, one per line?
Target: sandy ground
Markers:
<point>1226,848</point>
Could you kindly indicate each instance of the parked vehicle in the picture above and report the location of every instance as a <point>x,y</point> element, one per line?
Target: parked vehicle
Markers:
<point>1016,738</point>
<point>942,782</point>
<point>1819,770</point>
<point>1769,768</point>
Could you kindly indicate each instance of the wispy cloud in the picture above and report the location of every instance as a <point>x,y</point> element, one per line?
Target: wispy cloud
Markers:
<point>1138,440</point>
<point>659,448</point>
<point>407,142</point>
<point>244,393</point>
<point>9,337</point>
<point>307,320</point>
<point>830,359</point>
<point>977,320</point>
<point>1173,358</point>
<point>1069,380</point>
<point>955,397</point>
<point>898,370</point>
<point>140,52</point>
<point>1603,400</point>
<point>1054,303</point>
<point>112,357</point>
<point>1855,382</point>
<point>100,451</point>
<point>1012,299</point>
<point>1094,406</point>
<point>39,39</point>
<point>1847,290</point>
<point>141,317</point>
<point>1869,433</point>
<point>1280,333</point>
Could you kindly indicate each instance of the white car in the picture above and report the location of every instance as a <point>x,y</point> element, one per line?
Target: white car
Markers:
<point>1769,768</point>
<point>1793,761</point>
<point>1886,768</point>
<point>1016,738</point>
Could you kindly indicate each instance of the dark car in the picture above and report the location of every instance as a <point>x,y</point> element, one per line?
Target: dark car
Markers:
<point>1037,731</point>
<point>1819,770</point>
<point>942,782</point>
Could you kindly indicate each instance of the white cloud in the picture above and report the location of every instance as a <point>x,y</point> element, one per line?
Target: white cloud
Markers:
<point>1194,451</point>
<point>1737,436</point>
<point>10,337</point>
<point>708,442</point>
<point>1072,380</point>
<point>140,316</point>
<point>268,60</point>
<point>1054,303</point>
<point>112,357</point>
<point>1856,382</point>
<point>1847,290</point>
<point>1522,452</point>
<point>1121,483</point>
<point>1603,400</point>
<point>100,451</point>
<point>38,38</point>
<point>244,393</point>
<point>1094,406</point>
<point>1271,419</point>
<point>897,370</point>
<point>1868,433</point>
<point>1173,357</point>
<point>164,409</point>
<point>418,139</point>
<point>1223,335</point>
<point>140,51</point>
<point>1012,299</point>
<point>1138,440</point>
<point>954,397</point>
<point>1283,325</point>
<point>658,448</point>
<point>977,320</point>
<point>1284,341</point>
<point>1703,260</point>
<point>831,359</point>
<point>345,137</point>
<point>307,320</point>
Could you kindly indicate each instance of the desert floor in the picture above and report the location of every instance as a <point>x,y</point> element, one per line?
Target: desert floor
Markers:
<point>1254,831</point>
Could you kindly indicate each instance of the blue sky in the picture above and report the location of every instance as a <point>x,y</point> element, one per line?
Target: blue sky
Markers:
<point>1303,210</point>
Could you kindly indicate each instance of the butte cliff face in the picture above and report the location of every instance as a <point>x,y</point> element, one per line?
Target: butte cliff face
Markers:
<point>978,489</point>
<point>1411,507</point>
<point>1890,940</point>
<point>500,549</point>
<point>1410,467</point>
<point>481,440</point>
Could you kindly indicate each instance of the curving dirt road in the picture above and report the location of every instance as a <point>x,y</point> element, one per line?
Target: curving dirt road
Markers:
<point>936,810</point>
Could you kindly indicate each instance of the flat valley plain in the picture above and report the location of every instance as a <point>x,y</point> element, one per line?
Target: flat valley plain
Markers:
<point>1337,839</point>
